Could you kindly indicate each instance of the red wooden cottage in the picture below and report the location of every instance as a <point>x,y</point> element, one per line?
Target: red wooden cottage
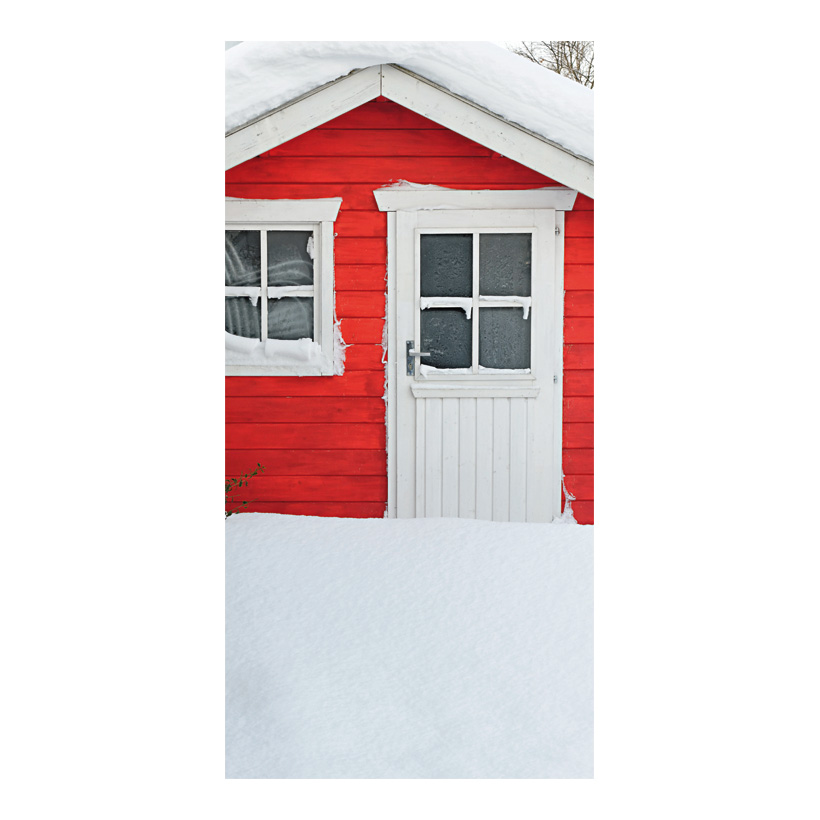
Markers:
<point>409,281</point>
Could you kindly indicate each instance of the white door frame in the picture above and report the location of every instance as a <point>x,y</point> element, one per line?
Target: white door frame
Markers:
<point>392,200</point>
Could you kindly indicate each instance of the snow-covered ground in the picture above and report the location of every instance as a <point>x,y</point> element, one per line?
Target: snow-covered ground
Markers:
<point>427,648</point>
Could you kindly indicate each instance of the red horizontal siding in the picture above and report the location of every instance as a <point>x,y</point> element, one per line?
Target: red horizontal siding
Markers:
<point>359,304</point>
<point>584,511</point>
<point>581,486</point>
<point>579,382</point>
<point>364,357</point>
<point>578,330</point>
<point>580,277</point>
<point>326,436</point>
<point>579,303</point>
<point>306,462</point>
<point>369,147</point>
<point>578,356</point>
<point>380,115</point>
<point>287,410</point>
<point>327,509</point>
<point>383,170</point>
<point>577,408</point>
<point>265,487</point>
<point>579,461</point>
<point>351,384</point>
<point>578,435</point>
<point>379,142</point>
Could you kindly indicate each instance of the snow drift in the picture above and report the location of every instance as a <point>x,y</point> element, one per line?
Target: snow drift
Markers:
<point>426,648</point>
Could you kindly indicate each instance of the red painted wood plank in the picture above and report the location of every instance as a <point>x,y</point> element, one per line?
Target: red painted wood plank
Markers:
<point>576,462</point>
<point>361,223</point>
<point>381,115</point>
<point>361,251</point>
<point>360,277</point>
<point>579,382</point>
<point>579,356</point>
<point>581,486</point>
<point>266,487</point>
<point>307,462</point>
<point>578,251</point>
<point>310,436</point>
<point>364,357</point>
<point>350,384</point>
<point>579,303</point>
<point>379,143</point>
<point>383,170</point>
<point>583,203</point>
<point>575,408</point>
<point>361,304</point>
<point>578,435</point>
<point>584,512</point>
<point>328,509</point>
<point>579,277</point>
<point>579,330</point>
<point>362,331</point>
<point>297,409</point>
<point>579,223</point>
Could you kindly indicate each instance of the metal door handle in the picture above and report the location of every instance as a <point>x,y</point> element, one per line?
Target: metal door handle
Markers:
<point>412,355</point>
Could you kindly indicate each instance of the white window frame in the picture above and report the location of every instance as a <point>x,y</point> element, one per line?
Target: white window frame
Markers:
<point>318,216</point>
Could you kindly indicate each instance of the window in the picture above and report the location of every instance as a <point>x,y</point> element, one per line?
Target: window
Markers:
<point>475,300</point>
<point>279,287</point>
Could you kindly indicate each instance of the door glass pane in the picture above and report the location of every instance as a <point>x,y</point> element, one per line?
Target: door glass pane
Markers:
<point>243,258</point>
<point>289,262</point>
<point>505,264</point>
<point>242,318</point>
<point>290,318</point>
<point>447,334</point>
<point>503,338</point>
<point>446,264</point>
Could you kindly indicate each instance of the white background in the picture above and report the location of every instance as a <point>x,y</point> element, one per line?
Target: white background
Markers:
<point>706,434</point>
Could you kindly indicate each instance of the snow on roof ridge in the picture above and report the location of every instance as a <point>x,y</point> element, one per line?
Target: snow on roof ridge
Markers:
<point>262,76</point>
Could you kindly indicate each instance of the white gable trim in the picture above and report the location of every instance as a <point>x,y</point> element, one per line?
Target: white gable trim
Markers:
<point>301,115</point>
<point>433,197</point>
<point>482,126</point>
<point>419,95</point>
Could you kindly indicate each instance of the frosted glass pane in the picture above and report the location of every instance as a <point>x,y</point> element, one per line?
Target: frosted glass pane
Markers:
<point>505,264</point>
<point>242,318</point>
<point>243,263</point>
<point>447,335</point>
<point>289,262</point>
<point>290,318</point>
<point>446,264</point>
<point>504,338</point>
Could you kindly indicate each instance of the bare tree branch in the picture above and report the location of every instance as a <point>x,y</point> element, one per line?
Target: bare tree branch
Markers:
<point>569,58</point>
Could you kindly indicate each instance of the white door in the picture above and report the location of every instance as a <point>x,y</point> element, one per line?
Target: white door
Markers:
<point>478,321</point>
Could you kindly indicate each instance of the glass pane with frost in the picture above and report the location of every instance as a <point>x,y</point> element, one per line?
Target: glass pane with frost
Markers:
<point>446,264</point>
<point>289,261</point>
<point>503,338</point>
<point>290,318</point>
<point>243,258</point>
<point>447,335</point>
<point>505,264</point>
<point>242,318</point>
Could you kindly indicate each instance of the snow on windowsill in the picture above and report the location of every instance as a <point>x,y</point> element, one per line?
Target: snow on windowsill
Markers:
<point>285,352</point>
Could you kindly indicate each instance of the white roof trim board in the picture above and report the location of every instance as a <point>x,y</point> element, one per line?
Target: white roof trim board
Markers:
<point>277,91</point>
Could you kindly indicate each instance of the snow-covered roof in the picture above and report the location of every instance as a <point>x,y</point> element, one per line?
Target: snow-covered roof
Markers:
<point>263,76</point>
